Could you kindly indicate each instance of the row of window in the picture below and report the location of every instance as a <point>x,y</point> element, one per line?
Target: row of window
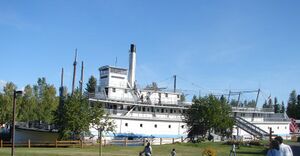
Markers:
<point>155,125</point>
<point>159,94</point>
<point>147,109</point>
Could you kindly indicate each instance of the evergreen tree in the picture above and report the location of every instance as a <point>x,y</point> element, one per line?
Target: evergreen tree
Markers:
<point>270,103</point>
<point>276,106</point>
<point>292,105</point>
<point>298,107</point>
<point>234,103</point>
<point>91,85</point>
<point>282,109</point>
<point>265,105</point>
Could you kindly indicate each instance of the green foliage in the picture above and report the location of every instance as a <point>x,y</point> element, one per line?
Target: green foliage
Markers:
<point>6,99</point>
<point>46,99</point>
<point>91,85</point>
<point>207,113</point>
<point>234,103</point>
<point>76,117</point>
<point>292,105</point>
<point>28,106</point>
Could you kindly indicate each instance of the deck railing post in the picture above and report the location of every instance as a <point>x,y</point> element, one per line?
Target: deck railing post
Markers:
<point>125,141</point>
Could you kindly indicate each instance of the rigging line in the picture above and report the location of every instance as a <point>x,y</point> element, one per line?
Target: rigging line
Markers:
<point>165,79</point>
<point>192,83</point>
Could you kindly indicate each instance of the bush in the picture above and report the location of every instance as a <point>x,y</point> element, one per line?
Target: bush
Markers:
<point>231,142</point>
<point>255,143</point>
<point>298,139</point>
<point>236,142</point>
<point>209,152</point>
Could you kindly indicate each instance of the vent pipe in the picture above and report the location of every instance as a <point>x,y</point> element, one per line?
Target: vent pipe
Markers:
<point>132,63</point>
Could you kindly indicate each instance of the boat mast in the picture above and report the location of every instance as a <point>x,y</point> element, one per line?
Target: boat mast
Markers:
<point>74,71</point>
<point>81,79</point>
<point>174,83</point>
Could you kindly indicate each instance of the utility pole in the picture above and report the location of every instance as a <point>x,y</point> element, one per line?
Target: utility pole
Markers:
<point>74,71</point>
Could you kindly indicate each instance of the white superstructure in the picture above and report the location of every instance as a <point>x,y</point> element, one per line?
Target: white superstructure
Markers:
<point>153,112</point>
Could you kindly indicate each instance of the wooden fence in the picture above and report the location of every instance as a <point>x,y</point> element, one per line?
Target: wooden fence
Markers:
<point>82,143</point>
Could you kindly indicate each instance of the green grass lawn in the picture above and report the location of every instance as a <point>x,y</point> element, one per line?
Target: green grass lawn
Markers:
<point>163,150</point>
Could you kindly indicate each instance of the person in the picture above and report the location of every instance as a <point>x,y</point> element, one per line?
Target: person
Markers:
<point>284,149</point>
<point>274,149</point>
<point>173,152</point>
<point>147,150</point>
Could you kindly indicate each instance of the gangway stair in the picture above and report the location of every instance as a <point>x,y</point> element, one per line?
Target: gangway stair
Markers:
<point>250,128</point>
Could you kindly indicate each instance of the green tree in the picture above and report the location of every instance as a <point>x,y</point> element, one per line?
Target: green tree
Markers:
<point>270,103</point>
<point>265,105</point>
<point>28,106</point>
<point>276,106</point>
<point>101,122</point>
<point>76,117</point>
<point>282,108</point>
<point>91,85</point>
<point>234,103</point>
<point>292,105</point>
<point>47,101</point>
<point>298,107</point>
<point>6,99</point>
<point>206,114</point>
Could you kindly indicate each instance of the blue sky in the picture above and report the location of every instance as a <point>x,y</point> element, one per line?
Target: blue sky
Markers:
<point>213,46</point>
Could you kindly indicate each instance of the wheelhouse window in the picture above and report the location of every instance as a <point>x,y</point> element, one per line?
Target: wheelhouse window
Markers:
<point>155,125</point>
<point>141,125</point>
<point>126,124</point>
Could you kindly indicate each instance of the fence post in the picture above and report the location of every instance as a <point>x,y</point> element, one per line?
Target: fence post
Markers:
<point>181,138</point>
<point>29,143</point>
<point>144,141</point>
<point>104,142</point>
<point>56,143</point>
<point>1,143</point>
<point>160,142</point>
<point>173,140</point>
<point>81,144</point>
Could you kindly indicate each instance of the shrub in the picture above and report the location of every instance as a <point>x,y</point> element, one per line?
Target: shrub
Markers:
<point>231,142</point>
<point>209,152</point>
<point>255,143</point>
<point>298,139</point>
